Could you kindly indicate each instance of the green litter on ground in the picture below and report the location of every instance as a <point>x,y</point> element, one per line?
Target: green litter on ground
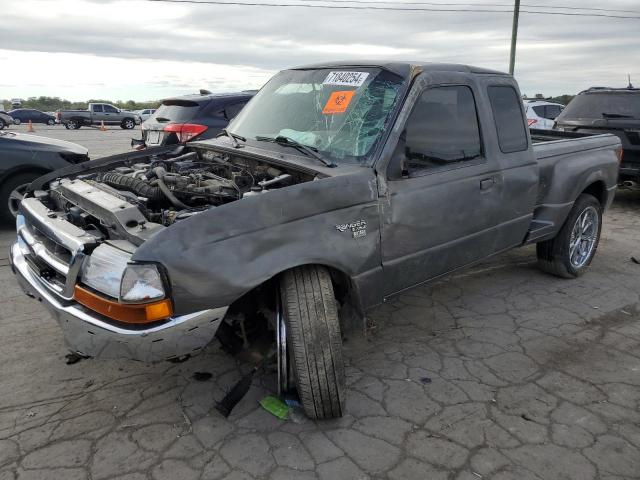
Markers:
<point>275,406</point>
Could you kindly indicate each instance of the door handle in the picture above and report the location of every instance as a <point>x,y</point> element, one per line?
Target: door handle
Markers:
<point>486,183</point>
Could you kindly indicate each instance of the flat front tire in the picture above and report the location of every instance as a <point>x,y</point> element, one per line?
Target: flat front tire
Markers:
<point>314,341</point>
<point>570,253</point>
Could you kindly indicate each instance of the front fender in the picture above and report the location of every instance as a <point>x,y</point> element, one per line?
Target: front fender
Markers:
<point>215,257</point>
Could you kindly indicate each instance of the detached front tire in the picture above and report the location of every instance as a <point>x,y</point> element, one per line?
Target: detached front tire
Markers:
<point>570,253</point>
<point>314,341</point>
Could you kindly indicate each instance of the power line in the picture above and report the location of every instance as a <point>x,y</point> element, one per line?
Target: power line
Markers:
<point>453,4</point>
<point>397,9</point>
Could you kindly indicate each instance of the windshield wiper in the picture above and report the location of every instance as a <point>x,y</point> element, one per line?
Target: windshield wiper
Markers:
<point>616,115</point>
<point>290,142</point>
<point>234,137</point>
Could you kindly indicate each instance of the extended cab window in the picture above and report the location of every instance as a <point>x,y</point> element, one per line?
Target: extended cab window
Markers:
<point>442,128</point>
<point>96,108</point>
<point>507,113</point>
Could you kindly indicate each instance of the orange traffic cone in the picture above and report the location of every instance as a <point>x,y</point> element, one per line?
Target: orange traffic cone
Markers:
<point>30,127</point>
<point>102,127</point>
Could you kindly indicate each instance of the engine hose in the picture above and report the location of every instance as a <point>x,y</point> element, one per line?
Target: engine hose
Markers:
<point>159,171</point>
<point>139,187</point>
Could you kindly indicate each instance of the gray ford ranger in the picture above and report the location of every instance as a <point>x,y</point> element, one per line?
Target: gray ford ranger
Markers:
<point>337,186</point>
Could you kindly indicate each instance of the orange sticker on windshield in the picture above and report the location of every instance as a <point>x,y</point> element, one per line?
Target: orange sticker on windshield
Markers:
<point>338,102</point>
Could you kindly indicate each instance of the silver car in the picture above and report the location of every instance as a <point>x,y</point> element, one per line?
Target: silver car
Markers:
<point>5,119</point>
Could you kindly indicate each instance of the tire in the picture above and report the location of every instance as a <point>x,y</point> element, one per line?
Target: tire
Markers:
<point>313,334</point>
<point>72,125</point>
<point>128,124</point>
<point>17,121</point>
<point>2,124</point>
<point>11,194</point>
<point>557,256</point>
<point>51,121</point>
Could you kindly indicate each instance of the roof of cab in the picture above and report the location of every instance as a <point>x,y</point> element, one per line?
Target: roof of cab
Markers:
<point>402,68</point>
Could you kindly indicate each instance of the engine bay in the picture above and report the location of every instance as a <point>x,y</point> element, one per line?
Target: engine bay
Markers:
<point>135,199</point>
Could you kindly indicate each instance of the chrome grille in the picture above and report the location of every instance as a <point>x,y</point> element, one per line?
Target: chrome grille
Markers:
<point>53,247</point>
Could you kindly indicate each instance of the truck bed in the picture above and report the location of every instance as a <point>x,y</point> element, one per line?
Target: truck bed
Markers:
<point>560,155</point>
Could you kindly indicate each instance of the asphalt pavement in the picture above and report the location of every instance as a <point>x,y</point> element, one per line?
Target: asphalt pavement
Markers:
<point>498,372</point>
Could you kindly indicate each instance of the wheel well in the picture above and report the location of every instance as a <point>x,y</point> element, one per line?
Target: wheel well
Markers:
<point>22,171</point>
<point>342,284</point>
<point>598,190</point>
<point>248,316</point>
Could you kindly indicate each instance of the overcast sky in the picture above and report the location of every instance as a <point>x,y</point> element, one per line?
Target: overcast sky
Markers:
<point>80,49</point>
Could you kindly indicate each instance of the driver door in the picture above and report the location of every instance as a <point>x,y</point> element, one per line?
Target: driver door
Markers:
<point>444,191</point>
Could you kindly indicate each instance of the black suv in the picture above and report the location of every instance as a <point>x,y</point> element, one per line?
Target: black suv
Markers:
<point>608,110</point>
<point>191,117</point>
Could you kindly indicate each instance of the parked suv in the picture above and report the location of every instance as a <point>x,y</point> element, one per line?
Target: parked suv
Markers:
<point>609,110</point>
<point>541,114</point>
<point>191,117</point>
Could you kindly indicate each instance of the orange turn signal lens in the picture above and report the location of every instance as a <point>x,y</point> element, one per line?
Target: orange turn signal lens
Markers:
<point>122,312</point>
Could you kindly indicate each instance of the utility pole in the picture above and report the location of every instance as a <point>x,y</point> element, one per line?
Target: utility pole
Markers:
<point>514,36</point>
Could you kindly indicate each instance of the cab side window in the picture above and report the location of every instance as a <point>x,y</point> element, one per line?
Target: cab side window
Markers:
<point>110,109</point>
<point>442,129</point>
<point>507,114</point>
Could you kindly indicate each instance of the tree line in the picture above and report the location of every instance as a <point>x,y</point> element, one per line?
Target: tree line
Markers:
<point>51,104</point>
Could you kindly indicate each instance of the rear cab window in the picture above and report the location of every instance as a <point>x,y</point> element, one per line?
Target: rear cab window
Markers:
<point>509,120</point>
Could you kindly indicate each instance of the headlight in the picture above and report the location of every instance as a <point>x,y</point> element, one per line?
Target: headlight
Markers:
<point>103,270</point>
<point>141,283</point>
<point>108,271</point>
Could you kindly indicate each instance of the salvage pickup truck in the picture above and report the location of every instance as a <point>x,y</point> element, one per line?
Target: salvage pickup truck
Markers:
<point>337,186</point>
<point>96,114</point>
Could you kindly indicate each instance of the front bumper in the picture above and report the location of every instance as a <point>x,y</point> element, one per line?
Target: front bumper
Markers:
<point>90,336</point>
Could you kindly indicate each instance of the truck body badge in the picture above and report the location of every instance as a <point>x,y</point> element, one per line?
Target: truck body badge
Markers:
<point>358,228</point>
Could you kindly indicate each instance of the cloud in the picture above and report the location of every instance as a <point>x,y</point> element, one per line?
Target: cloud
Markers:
<point>137,48</point>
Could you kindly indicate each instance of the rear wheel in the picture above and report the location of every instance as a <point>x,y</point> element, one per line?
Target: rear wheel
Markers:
<point>12,192</point>
<point>72,125</point>
<point>128,124</point>
<point>312,335</point>
<point>569,254</point>
<point>17,121</point>
<point>51,121</point>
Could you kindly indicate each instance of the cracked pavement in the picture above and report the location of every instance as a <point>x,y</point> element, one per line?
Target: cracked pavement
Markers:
<point>498,372</point>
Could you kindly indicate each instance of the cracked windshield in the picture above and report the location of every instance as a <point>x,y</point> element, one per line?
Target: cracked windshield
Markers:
<point>338,113</point>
